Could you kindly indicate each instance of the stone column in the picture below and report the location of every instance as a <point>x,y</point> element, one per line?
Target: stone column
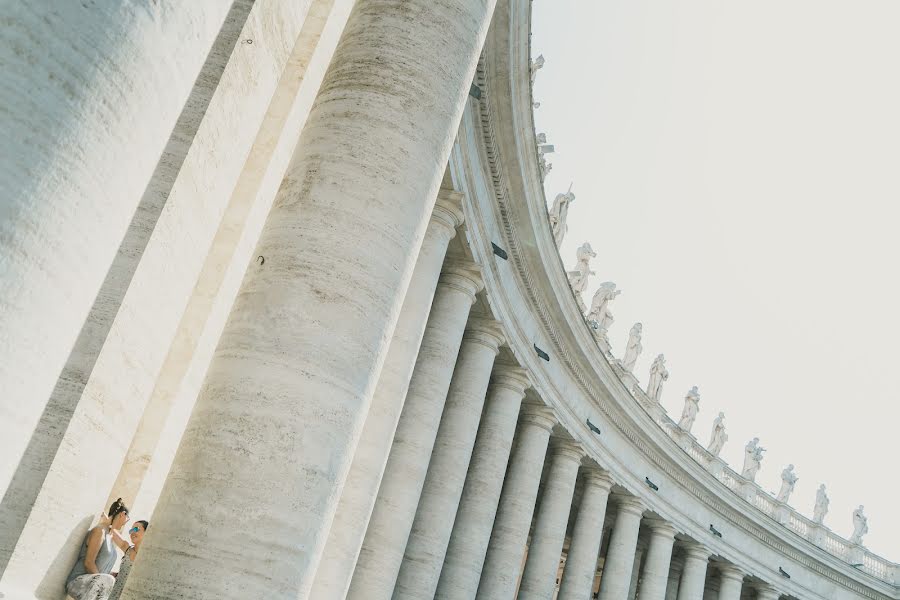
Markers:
<point>542,565</point>
<point>442,349</point>
<point>89,105</point>
<point>766,592</point>
<point>506,550</point>
<point>358,497</point>
<point>693,578</point>
<point>581,562</point>
<point>433,524</point>
<point>272,435</point>
<point>616,577</point>
<point>657,560</point>
<point>478,505</point>
<point>731,581</point>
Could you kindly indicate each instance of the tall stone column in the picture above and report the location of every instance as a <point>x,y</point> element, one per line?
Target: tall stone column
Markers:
<point>272,435</point>
<point>506,550</point>
<point>358,497</point>
<point>693,578</point>
<point>731,582</point>
<point>581,562</point>
<point>433,524</point>
<point>89,105</point>
<point>616,577</point>
<point>655,577</point>
<point>542,565</point>
<point>442,349</point>
<point>636,570</point>
<point>478,504</point>
<point>765,591</point>
<point>675,570</point>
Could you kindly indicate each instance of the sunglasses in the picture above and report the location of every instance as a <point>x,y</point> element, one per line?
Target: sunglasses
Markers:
<point>134,530</point>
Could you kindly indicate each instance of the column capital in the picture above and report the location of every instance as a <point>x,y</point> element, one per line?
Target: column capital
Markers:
<point>462,275</point>
<point>629,504</point>
<point>729,572</point>
<point>598,478</point>
<point>511,377</point>
<point>539,415</point>
<point>567,448</point>
<point>660,527</point>
<point>487,332</point>
<point>764,591</point>
<point>695,551</point>
<point>448,210</point>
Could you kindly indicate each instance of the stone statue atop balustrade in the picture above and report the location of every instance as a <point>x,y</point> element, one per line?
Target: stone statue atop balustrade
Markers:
<point>600,315</point>
<point>536,65</point>
<point>559,214</point>
<point>690,410</point>
<point>578,277</point>
<point>821,507</point>
<point>634,347</point>
<point>788,481</point>
<point>658,376</point>
<point>719,437</point>
<point>753,454</point>
<point>860,526</point>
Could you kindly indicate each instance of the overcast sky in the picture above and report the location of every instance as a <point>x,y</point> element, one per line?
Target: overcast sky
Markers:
<point>736,166</point>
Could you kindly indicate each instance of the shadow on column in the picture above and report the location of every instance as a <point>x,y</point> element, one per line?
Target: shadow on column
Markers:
<point>26,483</point>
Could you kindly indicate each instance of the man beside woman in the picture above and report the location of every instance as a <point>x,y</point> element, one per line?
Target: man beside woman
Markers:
<point>90,578</point>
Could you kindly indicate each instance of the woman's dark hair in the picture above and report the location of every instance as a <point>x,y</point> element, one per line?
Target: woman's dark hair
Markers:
<point>117,507</point>
<point>144,524</point>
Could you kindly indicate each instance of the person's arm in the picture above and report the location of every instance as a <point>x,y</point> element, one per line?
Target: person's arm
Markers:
<point>120,541</point>
<point>95,538</point>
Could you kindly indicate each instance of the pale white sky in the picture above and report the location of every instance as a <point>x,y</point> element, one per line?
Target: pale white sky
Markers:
<point>736,169</point>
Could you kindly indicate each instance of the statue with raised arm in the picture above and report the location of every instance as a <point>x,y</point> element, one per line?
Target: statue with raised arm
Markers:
<point>690,410</point>
<point>821,508</point>
<point>788,481</point>
<point>578,277</point>
<point>752,459</point>
<point>600,315</point>
<point>536,65</point>
<point>719,437</point>
<point>658,376</point>
<point>634,347</point>
<point>559,214</point>
<point>860,526</point>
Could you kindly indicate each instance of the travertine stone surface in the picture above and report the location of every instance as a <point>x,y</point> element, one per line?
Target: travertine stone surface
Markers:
<point>657,559</point>
<point>693,577</point>
<point>581,560</point>
<point>542,565</point>
<point>506,549</point>
<point>636,570</point>
<point>766,592</point>
<point>404,474</point>
<point>731,581</point>
<point>616,578</point>
<point>481,494</point>
<point>286,396</point>
<point>430,533</point>
<point>89,105</point>
<point>358,497</point>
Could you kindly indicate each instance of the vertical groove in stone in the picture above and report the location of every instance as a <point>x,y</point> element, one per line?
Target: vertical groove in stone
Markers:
<point>581,560</point>
<point>616,578</point>
<point>273,432</point>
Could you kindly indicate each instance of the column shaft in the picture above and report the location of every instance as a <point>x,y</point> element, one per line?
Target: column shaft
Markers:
<point>674,579</point>
<point>635,572</point>
<point>542,565</point>
<point>581,562</point>
<point>358,497</point>
<point>478,504</point>
<point>657,560</point>
<point>273,433</point>
<point>430,533</point>
<point>731,582</point>
<point>693,578</point>
<point>616,577</point>
<point>766,592</point>
<point>404,474</point>
<point>506,549</point>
